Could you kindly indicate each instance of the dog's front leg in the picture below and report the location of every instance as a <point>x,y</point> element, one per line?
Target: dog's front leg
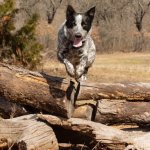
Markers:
<point>80,69</point>
<point>69,67</point>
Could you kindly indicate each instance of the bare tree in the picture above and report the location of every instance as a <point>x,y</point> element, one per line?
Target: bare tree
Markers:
<point>123,24</point>
<point>140,9</point>
<point>112,17</point>
<point>139,13</point>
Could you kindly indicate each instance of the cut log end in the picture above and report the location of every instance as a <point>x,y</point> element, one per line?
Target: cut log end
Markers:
<point>26,135</point>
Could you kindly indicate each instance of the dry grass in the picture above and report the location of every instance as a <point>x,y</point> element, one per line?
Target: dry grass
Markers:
<point>120,67</point>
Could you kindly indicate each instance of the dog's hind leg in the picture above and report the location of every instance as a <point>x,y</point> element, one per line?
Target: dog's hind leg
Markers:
<point>83,78</point>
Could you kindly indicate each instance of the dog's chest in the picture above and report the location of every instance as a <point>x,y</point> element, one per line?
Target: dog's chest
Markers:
<point>74,55</point>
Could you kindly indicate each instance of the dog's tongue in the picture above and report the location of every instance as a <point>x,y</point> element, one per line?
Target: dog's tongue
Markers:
<point>77,42</point>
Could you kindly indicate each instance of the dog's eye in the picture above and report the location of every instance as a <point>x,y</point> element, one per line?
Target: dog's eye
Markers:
<point>73,23</point>
<point>84,24</point>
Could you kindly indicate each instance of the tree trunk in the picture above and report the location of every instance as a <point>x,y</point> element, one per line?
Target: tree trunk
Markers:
<point>26,134</point>
<point>11,110</point>
<point>56,95</point>
<point>96,135</point>
<point>122,111</point>
<point>50,94</point>
<point>128,91</point>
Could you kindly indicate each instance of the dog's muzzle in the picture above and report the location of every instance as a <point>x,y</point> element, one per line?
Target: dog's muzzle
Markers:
<point>78,40</point>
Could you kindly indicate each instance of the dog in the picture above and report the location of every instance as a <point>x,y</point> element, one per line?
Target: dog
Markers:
<point>75,47</point>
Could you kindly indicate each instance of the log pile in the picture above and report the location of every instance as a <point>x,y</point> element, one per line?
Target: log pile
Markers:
<point>67,115</point>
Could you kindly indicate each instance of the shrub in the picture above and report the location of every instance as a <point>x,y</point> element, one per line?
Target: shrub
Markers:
<point>20,47</point>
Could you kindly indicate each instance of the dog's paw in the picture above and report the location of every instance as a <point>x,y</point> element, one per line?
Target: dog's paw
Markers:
<point>71,72</point>
<point>78,75</point>
<point>83,78</point>
<point>70,69</point>
<point>79,72</point>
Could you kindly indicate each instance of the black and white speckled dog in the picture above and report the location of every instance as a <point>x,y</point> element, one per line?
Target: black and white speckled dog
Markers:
<point>76,48</point>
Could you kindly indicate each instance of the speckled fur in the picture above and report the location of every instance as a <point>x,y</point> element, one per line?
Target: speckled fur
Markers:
<point>76,60</point>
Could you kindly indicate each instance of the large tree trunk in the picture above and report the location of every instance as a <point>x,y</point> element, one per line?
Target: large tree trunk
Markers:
<point>96,135</point>
<point>51,94</point>
<point>122,111</point>
<point>124,103</point>
<point>26,134</point>
<point>11,110</point>
<point>128,91</point>
<point>56,96</point>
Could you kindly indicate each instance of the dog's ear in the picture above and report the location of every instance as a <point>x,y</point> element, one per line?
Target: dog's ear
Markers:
<point>91,12</point>
<point>70,11</point>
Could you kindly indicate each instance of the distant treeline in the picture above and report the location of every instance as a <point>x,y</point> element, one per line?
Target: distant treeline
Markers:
<point>29,28</point>
<point>124,25</point>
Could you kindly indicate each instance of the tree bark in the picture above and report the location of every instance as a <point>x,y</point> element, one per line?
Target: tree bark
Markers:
<point>26,134</point>
<point>57,96</point>
<point>11,110</point>
<point>122,111</point>
<point>102,136</point>
<point>68,146</point>
<point>84,112</point>
<point>50,94</point>
<point>128,91</point>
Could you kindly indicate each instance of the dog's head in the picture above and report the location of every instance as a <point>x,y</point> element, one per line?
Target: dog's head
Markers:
<point>78,25</point>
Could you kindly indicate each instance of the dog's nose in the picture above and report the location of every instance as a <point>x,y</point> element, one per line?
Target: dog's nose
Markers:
<point>78,35</point>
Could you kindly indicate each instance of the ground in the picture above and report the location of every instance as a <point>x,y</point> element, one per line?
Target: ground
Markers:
<point>117,67</point>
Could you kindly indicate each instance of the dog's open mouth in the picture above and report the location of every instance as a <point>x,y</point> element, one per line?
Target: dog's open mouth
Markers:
<point>77,42</point>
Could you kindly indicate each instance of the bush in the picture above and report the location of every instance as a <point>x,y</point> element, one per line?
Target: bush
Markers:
<point>20,47</point>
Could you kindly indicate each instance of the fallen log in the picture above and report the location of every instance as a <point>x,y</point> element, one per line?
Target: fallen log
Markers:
<point>96,135</point>
<point>128,91</point>
<point>122,111</point>
<point>51,94</point>
<point>56,95</point>
<point>26,134</point>
<point>11,110</point>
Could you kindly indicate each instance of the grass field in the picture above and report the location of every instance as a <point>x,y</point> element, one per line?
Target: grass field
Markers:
<point>118,67</point>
